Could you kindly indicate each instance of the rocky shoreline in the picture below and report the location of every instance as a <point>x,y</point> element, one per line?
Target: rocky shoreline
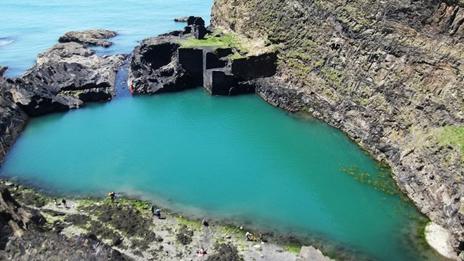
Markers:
<point>37,226</point>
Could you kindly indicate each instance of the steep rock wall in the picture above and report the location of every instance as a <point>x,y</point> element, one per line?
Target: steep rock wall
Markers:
<point>12,119</point>
<point>388,73</point>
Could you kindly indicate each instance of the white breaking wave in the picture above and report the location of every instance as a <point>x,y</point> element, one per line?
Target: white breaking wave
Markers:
<point>5,41</point>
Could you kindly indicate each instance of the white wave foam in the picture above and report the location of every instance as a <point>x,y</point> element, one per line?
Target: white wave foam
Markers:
<point>5,41</point>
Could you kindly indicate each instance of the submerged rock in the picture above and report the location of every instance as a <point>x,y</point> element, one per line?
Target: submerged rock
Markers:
<point>94,37</point>
<point>182,19</point>
<point>65,77</point>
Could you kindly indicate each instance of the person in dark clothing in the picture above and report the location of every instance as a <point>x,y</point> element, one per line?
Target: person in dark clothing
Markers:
<point>156,212</point>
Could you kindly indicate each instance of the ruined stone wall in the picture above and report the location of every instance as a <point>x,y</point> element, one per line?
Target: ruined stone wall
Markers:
<point>388,73</point>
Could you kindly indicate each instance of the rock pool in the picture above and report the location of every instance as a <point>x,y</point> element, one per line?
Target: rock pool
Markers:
<point>231,158</point>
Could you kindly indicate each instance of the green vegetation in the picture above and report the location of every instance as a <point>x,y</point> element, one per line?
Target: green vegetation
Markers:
<point>215,40</point>
<point>140,205</point>
<point>293,248</point>
<point>31,198</point>
<point>454,136</point>
<point>190,223</point>
<point>332,75</point>
<point>381,181</point>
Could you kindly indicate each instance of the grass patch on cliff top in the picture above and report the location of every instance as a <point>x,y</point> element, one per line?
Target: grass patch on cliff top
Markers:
<point>454,136</point>
<point>218,40</point>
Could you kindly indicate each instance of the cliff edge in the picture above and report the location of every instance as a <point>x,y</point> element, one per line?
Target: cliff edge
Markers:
<point>389,74</point>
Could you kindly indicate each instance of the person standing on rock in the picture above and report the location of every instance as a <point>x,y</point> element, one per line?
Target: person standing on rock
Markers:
<point>63,201</point>
<point>156,212</point>
<point>112,196</point>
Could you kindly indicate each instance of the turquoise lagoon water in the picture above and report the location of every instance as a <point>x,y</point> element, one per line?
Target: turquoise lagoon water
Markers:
<point>229,158</point>
<point>234,158</point>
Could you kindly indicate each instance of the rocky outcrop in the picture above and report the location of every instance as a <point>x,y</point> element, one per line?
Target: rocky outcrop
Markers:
<point>14,219</point>
<point>25,235</point>
<point>65,77</point>
<point>389,74</point>
<point>12,118</point>
<point>163,64</point>
<point>95,37</point>
<point>2,70</point>
<point>154,67</point>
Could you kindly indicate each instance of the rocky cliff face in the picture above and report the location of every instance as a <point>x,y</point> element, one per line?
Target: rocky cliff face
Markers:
<point>12,118</point>
<point>388,73</point>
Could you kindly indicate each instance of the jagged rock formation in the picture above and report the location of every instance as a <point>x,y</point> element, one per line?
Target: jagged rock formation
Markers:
<point>95,37</point>
<point>163,64</point>
<point>24,235</point>
<point>12,118</point>
<point>64,77</point>
<point>388,73</point>
<point>154,67</point>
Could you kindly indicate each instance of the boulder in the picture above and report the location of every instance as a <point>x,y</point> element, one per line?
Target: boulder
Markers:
<point>64,77</point>
<point>95,37</point>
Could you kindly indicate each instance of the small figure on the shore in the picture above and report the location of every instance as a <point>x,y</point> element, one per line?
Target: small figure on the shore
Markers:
<point>112,196</point>
<point>201,252</point>
<point>156,212</point>
<point>56,202</point>
<point>249,236</point>
<point>63,201</point>
<point>205,222</point>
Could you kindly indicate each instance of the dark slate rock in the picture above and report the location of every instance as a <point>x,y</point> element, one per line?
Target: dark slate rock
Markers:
<point>191,60</point>
<point>199,31</point>
<point>219,81</point>
<point>249,68</point>
<point>155,68</point>
<point>215,58</point>
<point>65,77</point>
<point>194,20</point>
<point>3,70</point>
<point>223,82</point>
<point>95,37</point>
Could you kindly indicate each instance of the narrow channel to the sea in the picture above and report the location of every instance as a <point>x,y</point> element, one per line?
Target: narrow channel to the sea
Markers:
<point>230,158</point>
